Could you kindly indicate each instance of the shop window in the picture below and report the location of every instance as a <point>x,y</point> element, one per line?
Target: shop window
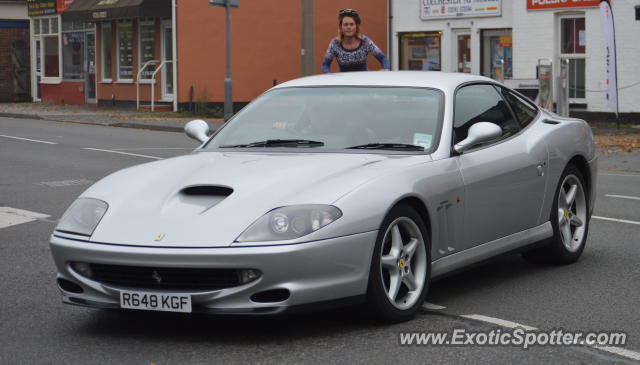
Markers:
<point>72,55</point>
<point>106,52</point>
<point>420,51</point>
<point>48,43</point>
<point>125,51</point>
<point>147,43</point>
<point>496,51</point>
<point>51,57</point>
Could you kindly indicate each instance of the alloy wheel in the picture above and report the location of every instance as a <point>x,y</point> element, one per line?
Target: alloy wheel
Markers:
<point>403,263</point>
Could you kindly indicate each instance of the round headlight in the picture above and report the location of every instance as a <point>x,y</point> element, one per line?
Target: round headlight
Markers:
<point>279,223</point>
<point>291,222</point>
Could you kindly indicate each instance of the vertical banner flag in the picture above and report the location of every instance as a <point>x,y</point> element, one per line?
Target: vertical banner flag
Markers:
<point>606,15</point>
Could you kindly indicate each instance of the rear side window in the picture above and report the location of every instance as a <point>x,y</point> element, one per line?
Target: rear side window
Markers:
<point>482,103</point>
<point>525,112</point>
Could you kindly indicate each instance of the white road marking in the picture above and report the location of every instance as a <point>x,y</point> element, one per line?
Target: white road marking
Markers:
<point>623,196</point>
<point>57,184</point>
<point>12,216</point>
<point>619,351</point>
<point>125,153</point>
<point>615,220</point>
<point>508,324</point>
<point>498,321</point>
<point>28,139</point>
<point>431,306</point>
<point>626,175</point>
<point>153,148</point>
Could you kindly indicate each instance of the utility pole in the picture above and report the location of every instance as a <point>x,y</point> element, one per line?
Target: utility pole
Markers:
<point>307,52</point>
<point>228,83</point>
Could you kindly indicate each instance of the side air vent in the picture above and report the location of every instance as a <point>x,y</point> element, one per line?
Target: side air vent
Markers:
<point>549,121</point>
<point>207,190</point>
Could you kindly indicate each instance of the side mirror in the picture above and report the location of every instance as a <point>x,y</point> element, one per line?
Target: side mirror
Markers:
<point>478,133</point>
<point>198,130</point>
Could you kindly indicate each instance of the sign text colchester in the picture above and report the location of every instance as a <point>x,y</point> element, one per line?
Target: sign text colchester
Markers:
<point>560,4</point>
<point>430,9</point>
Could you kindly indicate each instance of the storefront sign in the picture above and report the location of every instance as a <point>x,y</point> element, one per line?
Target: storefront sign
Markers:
<point>63,4</point>
<point>41,7</point>
<point>441,9</point>
<point>560,4</point>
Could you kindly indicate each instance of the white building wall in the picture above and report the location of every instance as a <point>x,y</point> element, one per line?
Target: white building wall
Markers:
<point>13,10</point>
<point>406,18</point>
<point>536,35</point>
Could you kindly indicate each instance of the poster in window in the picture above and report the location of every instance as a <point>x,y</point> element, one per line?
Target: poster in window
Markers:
<point>125,49</point>
<point>147,44</point>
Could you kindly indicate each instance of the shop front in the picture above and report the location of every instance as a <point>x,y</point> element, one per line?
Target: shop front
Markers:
<point>132,49</point>
<point>555,47</point>
<point>63,55</point>
<point>474,36</point>
<point>91,51</point>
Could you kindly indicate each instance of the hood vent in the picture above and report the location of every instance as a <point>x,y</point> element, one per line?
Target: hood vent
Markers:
<point>197,199</point>
<point>207,190</point>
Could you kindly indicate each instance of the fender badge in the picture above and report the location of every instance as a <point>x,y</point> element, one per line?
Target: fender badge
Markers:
<point>159,237</point>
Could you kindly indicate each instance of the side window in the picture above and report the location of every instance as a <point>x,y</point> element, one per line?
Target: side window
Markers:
<point>525,112</point>
<point>482,103</point>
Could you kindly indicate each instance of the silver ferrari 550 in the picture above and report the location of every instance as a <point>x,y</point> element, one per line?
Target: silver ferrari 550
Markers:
<point>334,189</point>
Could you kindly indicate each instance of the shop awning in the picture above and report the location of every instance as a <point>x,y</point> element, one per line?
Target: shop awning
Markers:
<point>97,10</point>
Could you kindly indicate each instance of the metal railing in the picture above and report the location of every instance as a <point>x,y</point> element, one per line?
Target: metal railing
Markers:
<point>152,81</point>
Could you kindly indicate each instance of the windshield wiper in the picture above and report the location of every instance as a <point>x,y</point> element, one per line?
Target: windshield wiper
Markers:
<point>388,146</point>
<point>279,143</point>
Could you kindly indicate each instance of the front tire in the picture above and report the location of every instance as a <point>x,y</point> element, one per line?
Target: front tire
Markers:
<point>400,267</point>
<point>570,221</point>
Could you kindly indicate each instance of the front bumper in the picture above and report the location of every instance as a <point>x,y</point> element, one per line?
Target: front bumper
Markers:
<point>313,272</point>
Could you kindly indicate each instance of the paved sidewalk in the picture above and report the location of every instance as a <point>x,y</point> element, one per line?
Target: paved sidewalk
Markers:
<point>108,116</point>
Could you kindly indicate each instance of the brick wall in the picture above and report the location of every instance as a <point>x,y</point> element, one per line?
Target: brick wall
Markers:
<point>7,69</point>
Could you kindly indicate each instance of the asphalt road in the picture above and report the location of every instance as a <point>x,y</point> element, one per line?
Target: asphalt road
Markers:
<point>599,293</point>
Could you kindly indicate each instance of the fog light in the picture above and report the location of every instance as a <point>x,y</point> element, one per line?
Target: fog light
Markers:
<point>248,275</point>
<point>82,268</point>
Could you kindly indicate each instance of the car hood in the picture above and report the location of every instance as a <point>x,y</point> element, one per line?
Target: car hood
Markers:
<point>183,202</point>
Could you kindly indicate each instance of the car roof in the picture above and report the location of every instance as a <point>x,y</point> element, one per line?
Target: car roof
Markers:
<point>446,81</point>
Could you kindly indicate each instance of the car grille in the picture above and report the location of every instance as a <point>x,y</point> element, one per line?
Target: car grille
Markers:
<point>165,277</point>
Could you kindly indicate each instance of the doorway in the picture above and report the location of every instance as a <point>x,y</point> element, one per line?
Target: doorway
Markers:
<point>90,68</point>
<point>462,51</point>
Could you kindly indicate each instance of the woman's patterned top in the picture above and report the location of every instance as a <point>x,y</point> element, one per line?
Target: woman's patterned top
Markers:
<point>353,59</point>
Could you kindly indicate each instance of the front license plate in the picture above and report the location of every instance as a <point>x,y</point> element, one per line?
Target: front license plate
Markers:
<point>155,301</point>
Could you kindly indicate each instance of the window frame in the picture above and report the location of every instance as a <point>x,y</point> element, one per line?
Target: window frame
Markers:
<point>42,36</point>
<point>568,56</point>
<point>496,87</point>
<point>121,24</point>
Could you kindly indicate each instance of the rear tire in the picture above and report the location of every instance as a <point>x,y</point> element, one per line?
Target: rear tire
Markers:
<point>400,267</point>
<point>570,220</point>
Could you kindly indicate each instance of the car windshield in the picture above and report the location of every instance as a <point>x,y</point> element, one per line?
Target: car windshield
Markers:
<point>355,118</point>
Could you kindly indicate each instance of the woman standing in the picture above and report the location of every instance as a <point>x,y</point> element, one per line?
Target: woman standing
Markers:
<point>351,47</point>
